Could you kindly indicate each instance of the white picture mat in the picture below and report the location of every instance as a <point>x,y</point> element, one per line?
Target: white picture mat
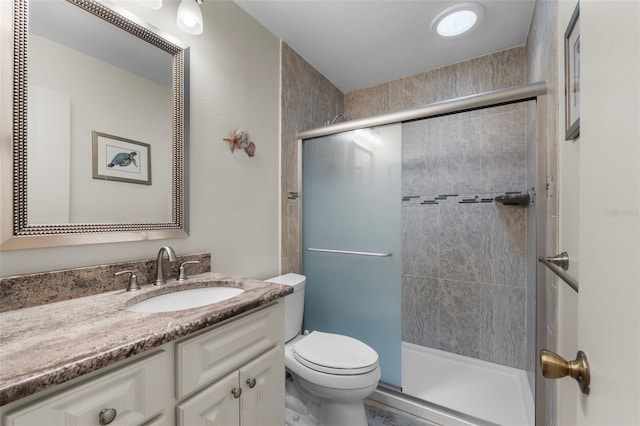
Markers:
<point>107,147</point>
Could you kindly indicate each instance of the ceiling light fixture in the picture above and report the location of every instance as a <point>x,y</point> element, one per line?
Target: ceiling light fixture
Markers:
<point>457,20</point>
<point>189,17</point>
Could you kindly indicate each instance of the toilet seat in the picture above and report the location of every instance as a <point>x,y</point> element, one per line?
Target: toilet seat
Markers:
<point>335,354</point>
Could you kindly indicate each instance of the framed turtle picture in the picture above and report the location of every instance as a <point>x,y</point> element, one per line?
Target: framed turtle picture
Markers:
<point>121,159</point>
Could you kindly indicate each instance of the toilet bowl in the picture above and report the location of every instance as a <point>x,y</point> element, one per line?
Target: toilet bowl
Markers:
<point>328,375</point>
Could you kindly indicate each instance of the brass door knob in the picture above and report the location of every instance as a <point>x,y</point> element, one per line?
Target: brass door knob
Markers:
<point>555,367</point>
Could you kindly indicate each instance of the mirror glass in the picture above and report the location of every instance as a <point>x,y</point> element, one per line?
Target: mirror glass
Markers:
<point>102,146</point>
<point>87,76</point>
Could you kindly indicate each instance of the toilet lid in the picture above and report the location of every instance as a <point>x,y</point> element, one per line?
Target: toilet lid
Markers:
<point>335,354</point>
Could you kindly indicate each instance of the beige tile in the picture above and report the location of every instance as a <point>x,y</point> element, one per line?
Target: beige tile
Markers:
<point>308,101</point>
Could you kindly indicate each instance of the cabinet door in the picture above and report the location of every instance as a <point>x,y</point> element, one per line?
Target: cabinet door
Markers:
<point>161,420</point>
<point>207,357</point>
<point>133,393</point>
<point>216,405</point>
<point>262,381</point>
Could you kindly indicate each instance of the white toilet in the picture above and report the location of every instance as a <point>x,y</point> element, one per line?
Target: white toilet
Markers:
<point>328,375</point>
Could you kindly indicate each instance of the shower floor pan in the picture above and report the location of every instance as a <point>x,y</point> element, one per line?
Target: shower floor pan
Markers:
<point>477,392</point>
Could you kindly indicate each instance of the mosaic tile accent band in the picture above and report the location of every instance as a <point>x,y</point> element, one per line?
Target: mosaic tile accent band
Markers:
<point>412,200</point>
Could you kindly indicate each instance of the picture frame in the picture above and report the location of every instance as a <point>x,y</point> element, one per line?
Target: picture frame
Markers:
<point>572,76</point>
<point>120,159</point>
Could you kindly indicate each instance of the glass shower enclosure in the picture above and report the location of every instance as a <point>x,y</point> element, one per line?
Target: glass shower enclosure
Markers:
<point>419,238</point>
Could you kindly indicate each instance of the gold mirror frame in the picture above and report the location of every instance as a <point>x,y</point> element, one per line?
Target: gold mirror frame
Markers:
<point>17,233</point>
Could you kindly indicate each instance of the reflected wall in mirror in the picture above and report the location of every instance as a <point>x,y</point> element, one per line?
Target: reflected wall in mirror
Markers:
<point>89,69</point>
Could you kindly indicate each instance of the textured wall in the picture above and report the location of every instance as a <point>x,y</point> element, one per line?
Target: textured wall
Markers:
<point>308,101</point>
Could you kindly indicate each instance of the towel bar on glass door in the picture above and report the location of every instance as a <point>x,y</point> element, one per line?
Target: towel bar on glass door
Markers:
<point>358,253</point>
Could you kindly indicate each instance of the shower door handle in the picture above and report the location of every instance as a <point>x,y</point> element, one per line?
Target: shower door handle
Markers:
<point>357,253</point>
<point>556,367</point>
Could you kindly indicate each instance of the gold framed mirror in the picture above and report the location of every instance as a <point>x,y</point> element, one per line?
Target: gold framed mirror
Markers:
<point>82,69</point>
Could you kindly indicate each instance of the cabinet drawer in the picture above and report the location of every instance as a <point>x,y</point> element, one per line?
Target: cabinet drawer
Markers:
<point>136,391</point>
<point>205,358</point>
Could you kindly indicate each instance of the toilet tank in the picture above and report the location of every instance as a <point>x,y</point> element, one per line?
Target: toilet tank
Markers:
<point>293,303</point>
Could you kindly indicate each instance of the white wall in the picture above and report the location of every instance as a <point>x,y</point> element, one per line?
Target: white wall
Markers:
<point>49,148</point>
<point>235,81</point>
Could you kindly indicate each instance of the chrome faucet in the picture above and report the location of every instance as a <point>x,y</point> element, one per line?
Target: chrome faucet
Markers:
<point>160,280</point>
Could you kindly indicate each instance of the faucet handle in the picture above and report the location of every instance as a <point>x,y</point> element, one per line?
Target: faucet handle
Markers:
<point>133,280</point>
<point>183,273</point>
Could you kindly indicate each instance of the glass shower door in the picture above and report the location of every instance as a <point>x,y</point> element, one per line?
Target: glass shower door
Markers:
<point>351,192</point>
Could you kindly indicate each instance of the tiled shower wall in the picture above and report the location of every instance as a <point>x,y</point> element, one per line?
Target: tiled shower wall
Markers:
<point>496,71</point>
<point>464,264</point>
<point>308,101</point>
<point>464,255</point>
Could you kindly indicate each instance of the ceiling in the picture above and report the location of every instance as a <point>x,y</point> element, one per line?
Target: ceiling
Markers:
<point>71,26</point>
<point>361,43</point>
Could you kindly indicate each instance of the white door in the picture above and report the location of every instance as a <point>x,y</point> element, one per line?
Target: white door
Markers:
<point>602,168</point>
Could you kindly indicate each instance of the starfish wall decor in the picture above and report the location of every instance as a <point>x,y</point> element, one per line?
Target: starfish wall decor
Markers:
<point>240,139</point>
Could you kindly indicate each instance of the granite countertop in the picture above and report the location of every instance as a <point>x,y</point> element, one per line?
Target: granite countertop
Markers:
<point>46,345</point>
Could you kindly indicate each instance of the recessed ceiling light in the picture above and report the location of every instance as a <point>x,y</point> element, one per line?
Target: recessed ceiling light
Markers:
<point>457,20</point>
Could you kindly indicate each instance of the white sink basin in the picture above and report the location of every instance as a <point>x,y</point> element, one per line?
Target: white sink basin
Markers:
<point>185,299</point>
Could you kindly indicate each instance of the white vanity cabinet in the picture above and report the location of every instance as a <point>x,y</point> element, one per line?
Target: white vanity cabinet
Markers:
<point>231,373</point>
<point>250,396</point>
<point>132,395</point>
<point>236,372</point>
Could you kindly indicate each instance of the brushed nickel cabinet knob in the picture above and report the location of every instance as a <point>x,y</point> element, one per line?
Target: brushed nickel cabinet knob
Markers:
<point>107,416</point>
<point>236,392</point>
